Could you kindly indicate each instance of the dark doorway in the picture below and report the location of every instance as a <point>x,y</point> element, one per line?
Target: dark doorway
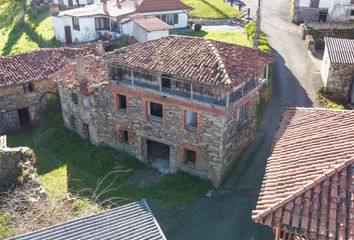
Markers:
<point>68,38</point>
<point>323,16</point>
<point>158,155</point>
<point>24,117</point>
<point>70,2</point>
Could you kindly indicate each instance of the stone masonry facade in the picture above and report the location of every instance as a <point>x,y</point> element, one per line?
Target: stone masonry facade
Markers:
<point>217,141</point>
<point>30,96</point>
<point>340,81</point>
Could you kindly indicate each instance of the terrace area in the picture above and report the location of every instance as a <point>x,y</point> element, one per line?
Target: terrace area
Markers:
<point>181,88</point>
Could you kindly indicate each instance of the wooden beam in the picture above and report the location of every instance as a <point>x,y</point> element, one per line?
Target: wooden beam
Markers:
<point>132,76</point>
<point>267,73</point>
<point>192,94</point>
<point>227,100</point>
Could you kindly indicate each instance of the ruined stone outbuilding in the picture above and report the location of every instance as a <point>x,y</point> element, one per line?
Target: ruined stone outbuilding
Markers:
<point>177,103</point>
<point>26,84</point>
<point>338,69</point>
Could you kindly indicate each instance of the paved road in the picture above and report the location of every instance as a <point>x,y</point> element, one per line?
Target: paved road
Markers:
<point>295,80</point>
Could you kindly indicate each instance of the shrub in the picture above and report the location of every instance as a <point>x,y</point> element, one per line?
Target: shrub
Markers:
<point>250,31</point>
<point>198,27</point>
<point>265,48</point>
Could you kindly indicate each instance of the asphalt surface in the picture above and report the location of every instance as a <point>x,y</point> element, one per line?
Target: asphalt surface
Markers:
<point>295,83</point>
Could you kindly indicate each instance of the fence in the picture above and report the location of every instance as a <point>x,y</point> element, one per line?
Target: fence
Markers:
<point>3,143</point>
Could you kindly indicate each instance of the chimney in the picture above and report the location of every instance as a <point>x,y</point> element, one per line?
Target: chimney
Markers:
<point>80,69</point>
<point>118,4</point>
<point>54,9</point>
<point>136,3</point>
<point>100,47</point>
<point>105,8</point>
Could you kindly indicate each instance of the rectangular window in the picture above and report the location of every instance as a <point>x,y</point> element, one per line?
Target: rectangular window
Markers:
<point>124,136</point>
<point>191,120</point>
<point>155,110</point>
<point>351,1</point>
<point>72,121</point>
<point>175,20</point>
<point>169,18</point>
<point>314,3</point>
<point>28,88</point>
<point>242,113</point>
<point>190,157</point>
<point>102,23</point>
<point>165,81</point>
<point>76,24</point>
<point>122,103</point>
<point>352,13</point>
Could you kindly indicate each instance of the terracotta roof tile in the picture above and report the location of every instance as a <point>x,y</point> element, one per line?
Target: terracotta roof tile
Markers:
<point>308,178</point>
<point>151,23</point>
<point>201,60</point>
<point>38,65</point>
<point>161,5</point>
<point>95,75</point>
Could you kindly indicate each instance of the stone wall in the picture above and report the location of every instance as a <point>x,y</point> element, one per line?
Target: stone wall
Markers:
<point>15,98</point>
<point>339,82</point>
<point>11,162</point>
<point>320,30</point>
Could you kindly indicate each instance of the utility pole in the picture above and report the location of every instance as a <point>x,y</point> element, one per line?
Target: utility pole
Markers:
<point>258,26</point>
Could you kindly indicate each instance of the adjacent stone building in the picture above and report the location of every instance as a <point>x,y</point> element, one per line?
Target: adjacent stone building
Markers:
<point>309,10</point>
<point>178,103</point>
<point>25,83</point>
<point>338,69</point>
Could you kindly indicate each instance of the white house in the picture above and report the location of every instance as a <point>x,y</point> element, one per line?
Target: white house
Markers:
<point>75,3</point>
<point>142,19</point>
<point>341,10</point>
<point>309,10</point>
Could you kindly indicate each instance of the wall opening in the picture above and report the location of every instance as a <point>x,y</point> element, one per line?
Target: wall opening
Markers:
<point>158,155</point>
<point>24,117</point>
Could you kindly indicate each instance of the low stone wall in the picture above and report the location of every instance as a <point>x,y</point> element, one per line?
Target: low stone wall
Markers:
<point>211,22</point>
<point>320,30</point>
<point>339,82</point>
<point>11,162</point>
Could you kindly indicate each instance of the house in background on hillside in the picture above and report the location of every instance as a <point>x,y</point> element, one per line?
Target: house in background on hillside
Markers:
<point>309,10</point>
<point>177,103</point>
<point>338,69</point>
<point>25,83</point>
<point>142,19</point>
<point>341,10</point>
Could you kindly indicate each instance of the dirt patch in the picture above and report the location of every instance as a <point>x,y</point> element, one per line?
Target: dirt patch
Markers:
<point>145,178</point>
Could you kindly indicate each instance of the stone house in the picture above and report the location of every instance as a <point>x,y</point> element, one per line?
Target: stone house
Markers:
<point>309,10</point>
<point>177,103</point>
<point>142,19</point>
<point>308,190</point>
<point>75,3</point>
<point>338,69</point>
<point>341,10</point>
<point>25,83</point>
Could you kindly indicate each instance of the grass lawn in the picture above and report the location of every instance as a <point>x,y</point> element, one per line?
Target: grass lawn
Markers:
<point>230,37</point>
<point>65,162</point>
<point>18,36</point>
<point>211,9</point>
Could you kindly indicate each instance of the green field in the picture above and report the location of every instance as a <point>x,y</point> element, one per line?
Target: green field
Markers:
<point>65,162</point>
<point>211,9</point>
<point>22,31</point>
<point>225,36</point>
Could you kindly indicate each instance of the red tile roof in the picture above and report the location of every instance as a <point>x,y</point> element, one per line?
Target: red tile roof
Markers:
<point>308,187</point>
<point>201,60</point>
<point>151,23</point>
<point>95,75</point>
<point>161,5</point>
<point>38,65</point>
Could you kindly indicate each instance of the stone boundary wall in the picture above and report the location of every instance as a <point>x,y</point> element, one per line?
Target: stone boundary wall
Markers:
<point>211,22</point>
<point>320,30</point>
<point>12,161</point>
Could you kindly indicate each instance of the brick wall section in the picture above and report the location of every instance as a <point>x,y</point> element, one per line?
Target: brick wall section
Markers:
<point>339,81</point>
<point>14,98</point>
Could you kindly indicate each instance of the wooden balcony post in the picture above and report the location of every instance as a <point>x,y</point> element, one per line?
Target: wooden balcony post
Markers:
<point>228,100</point>
<point>267,73</point>
<point>192,95</point>
<point>132,76</point>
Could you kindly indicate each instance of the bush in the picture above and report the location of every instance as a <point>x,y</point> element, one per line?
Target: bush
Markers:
<point>250,31</point>
<point>198,27</point>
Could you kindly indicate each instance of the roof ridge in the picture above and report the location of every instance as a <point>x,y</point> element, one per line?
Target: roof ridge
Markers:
<point>318,108</point>
<point>312,183</point>
<point>219,59</point>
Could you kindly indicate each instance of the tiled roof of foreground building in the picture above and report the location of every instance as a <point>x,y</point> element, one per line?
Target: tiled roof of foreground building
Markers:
<point>38,65</point>
<point>131,221</point>
<point>95,75</point>
<point>308,187</point>
<point>196,59</point>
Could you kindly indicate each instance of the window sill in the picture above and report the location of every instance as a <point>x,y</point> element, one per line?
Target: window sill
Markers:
<point>155,119</point>
<point>191,128</point>
<point>122,111</point>
<point>189,165</point>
